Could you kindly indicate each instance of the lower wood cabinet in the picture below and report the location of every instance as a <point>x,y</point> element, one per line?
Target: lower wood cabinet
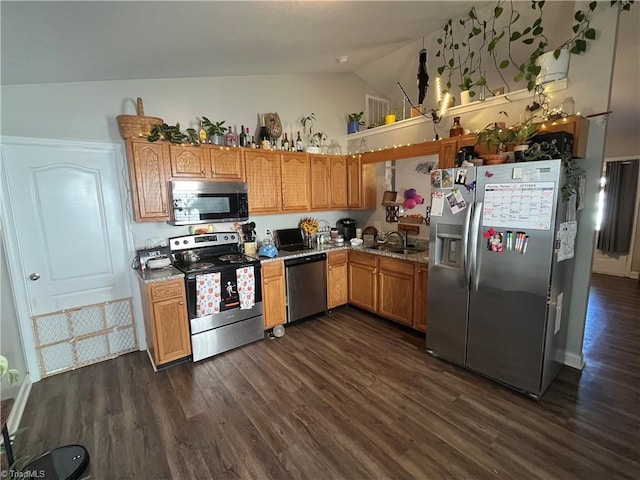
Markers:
<point>395,289</point>
<point>166,322</point>
<point>362,280</point>
<point>337,275</point>
<point>273,294</point>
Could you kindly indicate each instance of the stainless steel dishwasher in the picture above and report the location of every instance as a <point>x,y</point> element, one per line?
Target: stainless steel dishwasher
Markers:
<point>306,286</point>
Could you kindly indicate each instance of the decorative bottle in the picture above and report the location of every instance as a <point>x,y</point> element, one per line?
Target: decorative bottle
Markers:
<point>202,134</point>
<point>231,139</point>
<point>299,146</point>
<point>285,143</point>
<point>456,128</point>
<point>243,137</point>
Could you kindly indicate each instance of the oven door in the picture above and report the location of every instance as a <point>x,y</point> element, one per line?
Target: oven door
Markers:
<point>208,202</point>
<point>230,311</point>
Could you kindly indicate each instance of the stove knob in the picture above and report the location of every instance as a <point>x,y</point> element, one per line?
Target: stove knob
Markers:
<point>185,241</point>
<point>226,237</point>
<point>177,242</point>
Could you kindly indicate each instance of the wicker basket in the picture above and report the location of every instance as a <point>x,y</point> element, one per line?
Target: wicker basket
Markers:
<point>133,126</point>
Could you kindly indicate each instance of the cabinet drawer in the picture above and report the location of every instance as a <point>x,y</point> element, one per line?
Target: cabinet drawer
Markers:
<point>396,266</point>
<point>337,258</point>
<point>272,269</point>
<point>168,289</point>
<point>363,258</point>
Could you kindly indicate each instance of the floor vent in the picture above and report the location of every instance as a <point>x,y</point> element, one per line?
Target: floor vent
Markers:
<point>375,110</point>
<point>75,337</point>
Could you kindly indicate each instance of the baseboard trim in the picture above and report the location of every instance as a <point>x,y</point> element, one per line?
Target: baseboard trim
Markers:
<point>574,361</point>
<point>14,418</point>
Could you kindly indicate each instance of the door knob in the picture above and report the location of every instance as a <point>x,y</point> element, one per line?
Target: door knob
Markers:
<point>34,276</point>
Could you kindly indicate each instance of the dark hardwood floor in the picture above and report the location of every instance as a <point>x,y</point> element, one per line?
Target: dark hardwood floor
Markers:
<point>350,396</point>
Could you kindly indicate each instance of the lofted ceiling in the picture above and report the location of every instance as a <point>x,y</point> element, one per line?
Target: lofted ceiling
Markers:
<point>47,42</point>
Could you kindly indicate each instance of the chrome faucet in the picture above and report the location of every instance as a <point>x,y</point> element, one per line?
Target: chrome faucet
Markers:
<point>403,237</point>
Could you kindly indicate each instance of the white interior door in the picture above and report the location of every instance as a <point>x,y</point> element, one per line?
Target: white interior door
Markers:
<point>64,209</point>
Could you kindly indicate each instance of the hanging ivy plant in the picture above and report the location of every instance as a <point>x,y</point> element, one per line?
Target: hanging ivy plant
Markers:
<point>173,134</point>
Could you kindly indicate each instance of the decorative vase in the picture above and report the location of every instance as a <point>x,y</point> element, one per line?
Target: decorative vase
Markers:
<point>551,68</point>
<point>465,97</point>
<point>456,128</point>
<point>353,127</point>
<point>389,119</point>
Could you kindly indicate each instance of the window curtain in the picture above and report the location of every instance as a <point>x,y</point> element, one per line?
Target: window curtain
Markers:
<point>619,205</point>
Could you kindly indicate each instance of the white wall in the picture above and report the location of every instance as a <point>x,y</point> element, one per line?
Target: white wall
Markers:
<point>589,86</point>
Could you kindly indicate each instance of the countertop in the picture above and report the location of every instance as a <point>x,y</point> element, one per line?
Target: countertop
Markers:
<point>422,257</point>
<point>159,275</point>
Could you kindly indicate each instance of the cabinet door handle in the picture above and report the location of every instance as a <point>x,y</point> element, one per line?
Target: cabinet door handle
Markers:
<point>203,172</point>
<point>181,303</point>
<point>266,282</point>
<point>166,211</point>
<point>213,172</point>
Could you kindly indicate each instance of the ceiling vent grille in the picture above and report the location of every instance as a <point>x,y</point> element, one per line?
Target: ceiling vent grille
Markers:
<point>375,110</point>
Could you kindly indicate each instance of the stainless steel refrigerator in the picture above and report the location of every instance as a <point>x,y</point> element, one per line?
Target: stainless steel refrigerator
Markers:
<point>500,269</point>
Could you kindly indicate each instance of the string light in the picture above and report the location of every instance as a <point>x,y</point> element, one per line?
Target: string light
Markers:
<point>438,90</point>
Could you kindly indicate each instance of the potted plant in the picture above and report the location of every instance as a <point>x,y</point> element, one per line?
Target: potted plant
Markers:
<point>520,133</point>
<point>354,121</point>
<point>494,138</point>
<point>395,112</point>
<point>214,130</point>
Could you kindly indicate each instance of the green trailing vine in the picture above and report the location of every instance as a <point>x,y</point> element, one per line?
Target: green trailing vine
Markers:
<point>173,134</point>
<point>466,44</point>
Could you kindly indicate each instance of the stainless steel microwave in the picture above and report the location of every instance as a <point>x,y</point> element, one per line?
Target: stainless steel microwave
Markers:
<point>196,202</point>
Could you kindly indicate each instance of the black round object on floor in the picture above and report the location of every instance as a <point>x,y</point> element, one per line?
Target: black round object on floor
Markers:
<point>62,463</point>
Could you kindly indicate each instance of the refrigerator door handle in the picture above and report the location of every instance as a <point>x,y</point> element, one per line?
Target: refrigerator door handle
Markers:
<point>465,270</point>
<point>475,232</point>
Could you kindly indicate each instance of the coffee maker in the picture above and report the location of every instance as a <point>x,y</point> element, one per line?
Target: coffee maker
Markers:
<point>347,228</point>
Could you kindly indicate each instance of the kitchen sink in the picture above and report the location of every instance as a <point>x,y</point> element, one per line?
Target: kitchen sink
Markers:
<point>394,248</point>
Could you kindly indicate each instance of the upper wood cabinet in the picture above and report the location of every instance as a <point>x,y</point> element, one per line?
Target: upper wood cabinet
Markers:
<point>262,169</point>
<point>149,173</point>
<point>189,161</point>
<point>361,183</point>
<point>227,164</point>
<point>576,125</point>
<point>206,162</point>
<point>296,183</point>
<point>448,152</point>
<point>339,182</point>
<point>320,167</point>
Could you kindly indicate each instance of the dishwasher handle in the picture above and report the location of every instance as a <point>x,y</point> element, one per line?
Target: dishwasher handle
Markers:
<point>317,257</point>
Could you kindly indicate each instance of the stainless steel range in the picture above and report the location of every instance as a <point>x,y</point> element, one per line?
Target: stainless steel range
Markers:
<point>224,292</point>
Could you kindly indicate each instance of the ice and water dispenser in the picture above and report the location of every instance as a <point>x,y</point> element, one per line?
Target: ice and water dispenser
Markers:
<point>448,245</point>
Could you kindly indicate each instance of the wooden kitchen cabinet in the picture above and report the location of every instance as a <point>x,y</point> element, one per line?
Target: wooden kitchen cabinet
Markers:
<point>337,279</point>
<point>448,152</point>
<point>295,176</point>
<point>206,162</point>
<point>338,181</point>
<point>320,171</point>
<point>361,183</point>
<point>395,290</point>
<point>262,169</point>
<point>166,321</point>
<point>226,164</point>
<point>420,297</point>
<point>149,174</point>
<point>362,280</point>
<point>191,162</point>
<point>274,294</point>
<point>577,126</point>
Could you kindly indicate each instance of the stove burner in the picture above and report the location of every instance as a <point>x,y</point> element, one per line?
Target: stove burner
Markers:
<point>232,258</point>
<point>200,266</point>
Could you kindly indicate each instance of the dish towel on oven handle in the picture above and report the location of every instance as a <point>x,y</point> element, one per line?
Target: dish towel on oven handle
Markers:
<point>246,287</point>
<point>207,294</point>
